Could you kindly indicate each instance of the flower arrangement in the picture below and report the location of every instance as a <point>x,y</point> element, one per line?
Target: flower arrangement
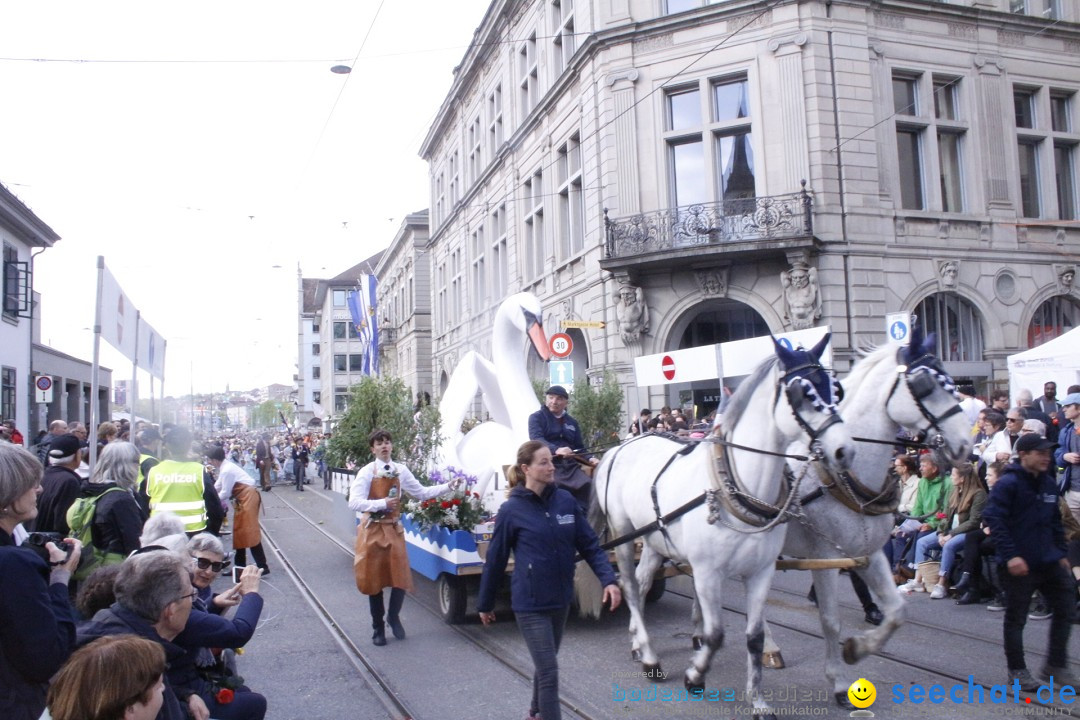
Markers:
<point>460,510</point>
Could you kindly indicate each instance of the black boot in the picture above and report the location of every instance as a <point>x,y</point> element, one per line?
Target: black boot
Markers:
<point>971,597</point>
<point>375,602</point>
<point>874,616</point>
<point>965,582</point>
<point>397,598</point>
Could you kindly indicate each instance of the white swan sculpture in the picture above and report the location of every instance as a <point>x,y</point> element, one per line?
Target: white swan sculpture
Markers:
<point>507,392</point>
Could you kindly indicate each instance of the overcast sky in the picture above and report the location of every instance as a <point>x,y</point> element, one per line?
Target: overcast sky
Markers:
<point>197,146</point>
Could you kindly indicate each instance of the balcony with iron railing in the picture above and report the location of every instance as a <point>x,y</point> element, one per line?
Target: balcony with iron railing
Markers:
<point>747,228</point>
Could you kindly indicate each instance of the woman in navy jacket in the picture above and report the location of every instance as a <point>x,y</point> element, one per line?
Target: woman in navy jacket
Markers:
<point>37,628</point>
<point>545,528</point>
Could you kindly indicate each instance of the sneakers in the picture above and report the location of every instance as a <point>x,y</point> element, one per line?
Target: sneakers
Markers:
<point>1062,676</point>
<point>997,604</point>
<point>1027,682</point>
<point>1039,612</point>
<point>911,586</point>
<point>938,592</point>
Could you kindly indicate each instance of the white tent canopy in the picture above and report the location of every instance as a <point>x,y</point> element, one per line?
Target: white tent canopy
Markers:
<point>1057,360</point>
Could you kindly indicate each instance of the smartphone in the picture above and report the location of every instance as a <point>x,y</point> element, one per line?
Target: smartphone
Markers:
<point>236,573</point>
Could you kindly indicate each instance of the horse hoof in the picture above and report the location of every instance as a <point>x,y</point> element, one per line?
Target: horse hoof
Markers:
<point>635,655</point>
<point>773,660</point>
<point>764,715</point>
<point>694,688</point>
<point>653,672</point>
<point>698,642</point>
<point>851,655</point>
<point>842,700</point>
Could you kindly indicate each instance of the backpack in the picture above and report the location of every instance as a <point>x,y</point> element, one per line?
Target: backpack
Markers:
<point>80,518</point>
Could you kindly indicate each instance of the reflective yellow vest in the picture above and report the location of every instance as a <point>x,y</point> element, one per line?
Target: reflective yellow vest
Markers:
<point>177,487</point>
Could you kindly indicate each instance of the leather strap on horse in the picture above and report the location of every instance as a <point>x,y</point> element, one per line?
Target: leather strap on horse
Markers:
<point>737,501</point>
<point>656,524</point>
<point>846,489</point>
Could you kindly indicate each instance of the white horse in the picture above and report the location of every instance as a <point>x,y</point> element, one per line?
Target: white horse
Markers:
<point>851,515</point>
<point>740,529</point>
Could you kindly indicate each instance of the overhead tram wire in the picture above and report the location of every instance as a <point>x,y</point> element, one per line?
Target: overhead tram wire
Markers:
<point>509,197</point>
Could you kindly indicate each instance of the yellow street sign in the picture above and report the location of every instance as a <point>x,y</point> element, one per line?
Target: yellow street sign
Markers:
<point>595,324</point>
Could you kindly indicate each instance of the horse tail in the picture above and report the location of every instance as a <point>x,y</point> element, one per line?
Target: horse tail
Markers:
<point>587,591</point>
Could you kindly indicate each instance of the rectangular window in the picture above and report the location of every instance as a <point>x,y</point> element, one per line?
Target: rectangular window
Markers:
<point>341,403</point>
<point>454,180</point>
<point>571,199</point>
<point>910,151</point>
<point>339,298</point>
<point>562,22</point>
<point>495,121</point>
<point>528,82</point>
<point>1029,177</point>
<point>356,362</point>
<point>457,309</point>
<point>441,318</point>
<point>945,99</point>
<point>14,289</point>
<point>440,199</point>
<point>1024,106</point>
<point>315,327</point>
<point>316,397</point>
<point>533,248</point>
<point>1060,117</point>
<point>952,188</point>
<point>1065,180</point>
<point>500,263</point>
<point>475,142</point>
<point>478,281</point>
<point>316,372</point>
<point>340,363</point>
<point>684,109</point>
<point>339,330</point>
<point>905,99</point>
<point>316,348</point>
<point>735,154</point>
<point>7,392</point>
<point>688,172</point>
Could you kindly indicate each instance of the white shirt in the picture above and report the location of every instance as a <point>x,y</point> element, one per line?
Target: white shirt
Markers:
<point>361,487</point>
<point>908,490</point>
<point>228,475</point>
<point>1000,443</point>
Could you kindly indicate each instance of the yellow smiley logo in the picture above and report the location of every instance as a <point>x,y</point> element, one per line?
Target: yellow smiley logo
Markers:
<point>862,693</point>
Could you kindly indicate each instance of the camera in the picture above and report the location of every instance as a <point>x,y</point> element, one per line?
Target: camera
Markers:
<point>36,541</point>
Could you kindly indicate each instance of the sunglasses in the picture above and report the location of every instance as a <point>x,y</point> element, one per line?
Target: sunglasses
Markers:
<point>205,564</point>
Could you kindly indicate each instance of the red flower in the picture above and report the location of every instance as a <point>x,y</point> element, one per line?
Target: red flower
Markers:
<point>224,696</point>
<point>457,501</point>
<point>941,516</point>
<point>445,505</point>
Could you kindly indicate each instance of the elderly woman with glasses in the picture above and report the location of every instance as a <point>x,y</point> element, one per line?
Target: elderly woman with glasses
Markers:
<point>196,671</point>
<point>37,630</point>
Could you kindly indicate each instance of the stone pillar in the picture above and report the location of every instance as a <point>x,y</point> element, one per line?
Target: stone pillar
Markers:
<point>624,130</point>
<point>791,94</point>
<point>997,139</point>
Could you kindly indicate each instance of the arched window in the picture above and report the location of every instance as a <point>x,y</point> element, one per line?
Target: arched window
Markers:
<point>1055,317</point>
<point>957,324</point>
<point>723,323</point>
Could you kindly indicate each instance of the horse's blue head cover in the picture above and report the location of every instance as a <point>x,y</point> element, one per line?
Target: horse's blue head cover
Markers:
<point>804,368</point>
<point>919,357</point>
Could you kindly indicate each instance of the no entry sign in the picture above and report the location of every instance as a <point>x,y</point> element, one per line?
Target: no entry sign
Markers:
<point>667,367</point>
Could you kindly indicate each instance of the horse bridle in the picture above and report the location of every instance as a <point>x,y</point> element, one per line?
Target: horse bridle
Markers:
<point>799,390</point>
<point>922,377</point>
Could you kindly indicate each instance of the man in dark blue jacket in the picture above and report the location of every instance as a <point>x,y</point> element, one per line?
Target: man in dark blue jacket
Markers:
<point>1026,526</point>
<point>154,597</point>
<point>554,427</point>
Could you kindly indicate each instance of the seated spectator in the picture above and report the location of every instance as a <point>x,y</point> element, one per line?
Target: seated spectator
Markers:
<point>640,426</point>
<point>118,519</point>
<point>999,446</point>
<point>929,501</point>
<point>37,629</point>
<point>962,515</point>
<point>96,592</point>
<point>907,474</point>
<point>90,688</point>
<point>979,544</point>
<point>154,597</point>
<point>195,669</point>
<point>166,530</point>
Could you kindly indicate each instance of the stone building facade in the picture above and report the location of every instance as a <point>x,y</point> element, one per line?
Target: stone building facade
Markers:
<point>691,172</point>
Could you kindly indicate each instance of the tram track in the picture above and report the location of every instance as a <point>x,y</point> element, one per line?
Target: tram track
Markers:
<point>387,695</point>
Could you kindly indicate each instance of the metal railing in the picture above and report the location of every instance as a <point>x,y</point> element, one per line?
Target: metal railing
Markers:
<point>775,217</point>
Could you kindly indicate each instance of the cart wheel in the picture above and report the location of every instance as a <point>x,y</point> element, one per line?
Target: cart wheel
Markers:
<point>656,591</point>
<point>453,595</point>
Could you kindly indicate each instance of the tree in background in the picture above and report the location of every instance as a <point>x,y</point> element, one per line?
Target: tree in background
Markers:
<point>386,402</point>
<point>597,409</point>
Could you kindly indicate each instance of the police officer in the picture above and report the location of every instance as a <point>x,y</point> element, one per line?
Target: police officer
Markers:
<point>181,485</point>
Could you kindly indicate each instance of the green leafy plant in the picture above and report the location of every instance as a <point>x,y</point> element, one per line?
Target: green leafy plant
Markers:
<point>385,402</point>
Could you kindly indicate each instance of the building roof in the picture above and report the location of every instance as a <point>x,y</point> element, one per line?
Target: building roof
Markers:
<point>311,289</point>
<point>364,267</point>
<point>22,222</point>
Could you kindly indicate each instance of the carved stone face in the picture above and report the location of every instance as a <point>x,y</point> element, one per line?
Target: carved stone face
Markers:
<point>627,295</point>
<point>800,277</point>
<point>948,273</point>
<point>1067,278</point>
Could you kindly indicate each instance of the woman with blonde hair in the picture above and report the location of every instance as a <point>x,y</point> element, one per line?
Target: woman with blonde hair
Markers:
<point>91,685</point>
<point>545,527</point>
<point>963,511</point>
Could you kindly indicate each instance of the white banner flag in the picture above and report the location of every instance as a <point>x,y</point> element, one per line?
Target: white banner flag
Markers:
<point>119,320</point>
<point>151,350</point>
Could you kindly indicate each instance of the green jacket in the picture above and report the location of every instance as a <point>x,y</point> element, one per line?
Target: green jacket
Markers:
<point>930,499</point>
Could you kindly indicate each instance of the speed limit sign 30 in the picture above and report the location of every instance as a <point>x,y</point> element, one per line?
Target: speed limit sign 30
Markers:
<point>561,345</point>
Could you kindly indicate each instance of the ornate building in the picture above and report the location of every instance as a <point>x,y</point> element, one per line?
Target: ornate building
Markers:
<point>691,172</point>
